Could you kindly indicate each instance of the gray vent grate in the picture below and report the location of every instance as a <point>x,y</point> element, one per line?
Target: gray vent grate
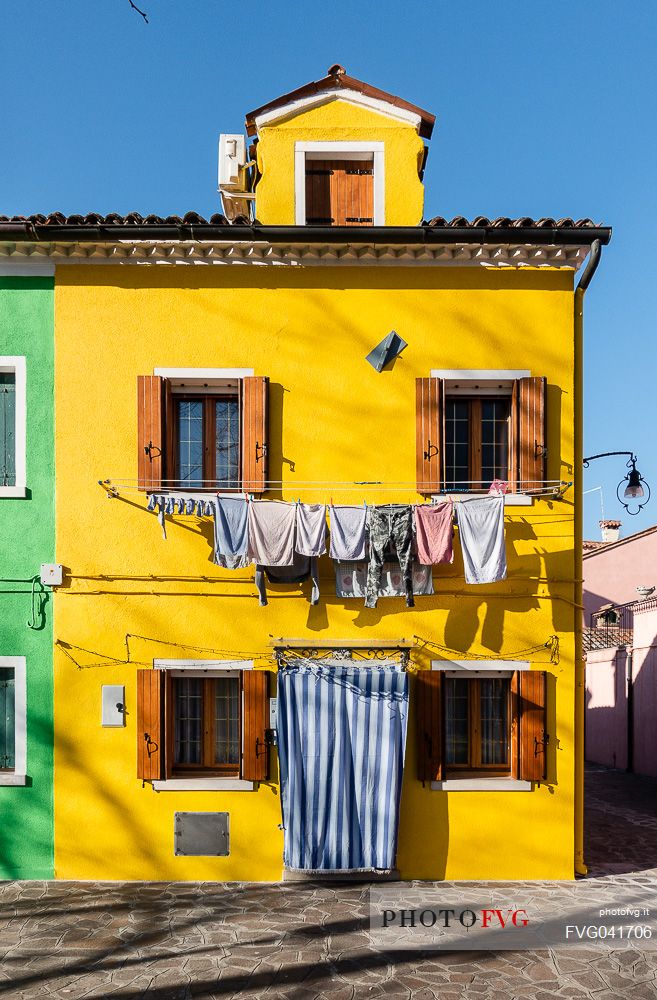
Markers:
<point>201,834</point>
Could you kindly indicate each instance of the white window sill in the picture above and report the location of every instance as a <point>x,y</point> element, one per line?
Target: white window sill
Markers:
<point>204,785</point>
<point>13,491</point>
<point>510,499</point>
<point>9,778</point>
<point>481,785</point>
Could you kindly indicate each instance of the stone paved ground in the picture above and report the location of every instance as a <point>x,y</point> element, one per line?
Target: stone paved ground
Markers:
<point>178,941</point>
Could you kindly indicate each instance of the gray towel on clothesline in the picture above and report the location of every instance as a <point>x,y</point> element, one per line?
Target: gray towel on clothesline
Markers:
<point>231,527</point>
<point>311,529</point>
<point>481,530</point>
<point>348,533</point>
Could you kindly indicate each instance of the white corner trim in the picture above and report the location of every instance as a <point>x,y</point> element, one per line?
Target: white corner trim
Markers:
<point>203,665</point>
<point>204,785</point>
<point>490,666</point>
<point>203,373</point>
<point>17,365</point>
<point>463,374</point>
<point>481,785</point>
<point>18,665</point>
<point>294,108</point>
<point>334,149</point>
<point>26,269</point>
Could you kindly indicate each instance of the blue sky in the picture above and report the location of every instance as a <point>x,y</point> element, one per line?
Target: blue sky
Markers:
<point>543,108</point>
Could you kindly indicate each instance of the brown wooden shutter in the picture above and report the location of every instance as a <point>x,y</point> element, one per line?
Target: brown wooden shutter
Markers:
<point>515,724</point>
<point>255,400</point>
<point>428,713</point>
<point>352,193</point>
<point>429,419</point>
<point>513,437</point>
<point>150,724</point>
<point>532,692</point>
<point>151,434</point>
<point>318,193</point>
<point>532,438</point>
<point>255,689</point>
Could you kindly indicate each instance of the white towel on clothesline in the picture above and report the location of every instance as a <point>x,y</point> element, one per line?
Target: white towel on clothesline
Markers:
<point>481,530</point>
<point>271,532</point>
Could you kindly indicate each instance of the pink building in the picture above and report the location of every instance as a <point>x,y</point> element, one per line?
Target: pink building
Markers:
<point>620,640</point>
<point>615,567</point>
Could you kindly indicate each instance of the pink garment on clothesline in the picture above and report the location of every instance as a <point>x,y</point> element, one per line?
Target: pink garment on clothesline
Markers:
<point>433,525</point>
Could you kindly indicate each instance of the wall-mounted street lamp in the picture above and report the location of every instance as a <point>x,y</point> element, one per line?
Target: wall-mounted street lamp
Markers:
<point>634,489</point>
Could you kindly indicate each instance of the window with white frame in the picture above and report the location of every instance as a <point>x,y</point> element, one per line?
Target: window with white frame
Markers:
<point>478,427</point>
<point>202,721</point>
<point>339,184</point>
<point>481,722</point>
<point>12,426</point>
<point>13,742</point>
<point>202,429</point>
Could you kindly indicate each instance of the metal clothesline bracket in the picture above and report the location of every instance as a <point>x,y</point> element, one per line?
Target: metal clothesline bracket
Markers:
<point>111,490</point>
<point>348,651</point>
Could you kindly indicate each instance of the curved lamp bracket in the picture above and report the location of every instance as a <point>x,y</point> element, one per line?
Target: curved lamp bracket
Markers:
<point>634,485</point>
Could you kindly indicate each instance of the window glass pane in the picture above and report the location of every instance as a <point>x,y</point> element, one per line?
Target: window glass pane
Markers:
<point>227,424</point>
<point>494,702</point>
<point>7,719</point>
<point>188,729</point>
<point>190,442</point>
<point>227,720</point>
<point>7,429</point>
<point>494,440</point>
<point>456,720</point>
<point>457,443</point>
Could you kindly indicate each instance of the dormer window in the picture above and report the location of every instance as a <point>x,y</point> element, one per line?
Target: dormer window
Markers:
<point>339,184</point>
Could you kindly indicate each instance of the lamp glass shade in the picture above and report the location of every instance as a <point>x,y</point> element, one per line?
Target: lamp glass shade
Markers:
<point>634,489</point>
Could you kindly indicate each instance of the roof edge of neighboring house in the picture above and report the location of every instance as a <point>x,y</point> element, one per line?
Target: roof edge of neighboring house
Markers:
<point>605,546</point>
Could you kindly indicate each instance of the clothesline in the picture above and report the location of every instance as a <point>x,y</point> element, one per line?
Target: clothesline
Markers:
<point>115,487</point>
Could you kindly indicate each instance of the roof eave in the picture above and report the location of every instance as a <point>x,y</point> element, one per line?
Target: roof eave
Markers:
<point>411,235</point>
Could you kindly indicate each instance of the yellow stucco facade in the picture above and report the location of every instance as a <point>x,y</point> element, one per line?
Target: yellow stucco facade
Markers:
<point>131,597</point>
<point>333,419</point>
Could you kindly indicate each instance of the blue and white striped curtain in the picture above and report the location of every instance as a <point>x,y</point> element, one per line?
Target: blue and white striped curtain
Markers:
<point>341,742</point>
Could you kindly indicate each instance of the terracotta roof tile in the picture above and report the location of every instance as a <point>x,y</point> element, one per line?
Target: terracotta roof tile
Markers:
<point>481,222</point>
<point>196,219</point>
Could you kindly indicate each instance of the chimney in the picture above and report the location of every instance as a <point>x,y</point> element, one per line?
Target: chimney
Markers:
<point>610,530</point>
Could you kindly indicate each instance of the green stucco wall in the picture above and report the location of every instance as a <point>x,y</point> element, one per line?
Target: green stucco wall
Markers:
<point>27,538</point>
